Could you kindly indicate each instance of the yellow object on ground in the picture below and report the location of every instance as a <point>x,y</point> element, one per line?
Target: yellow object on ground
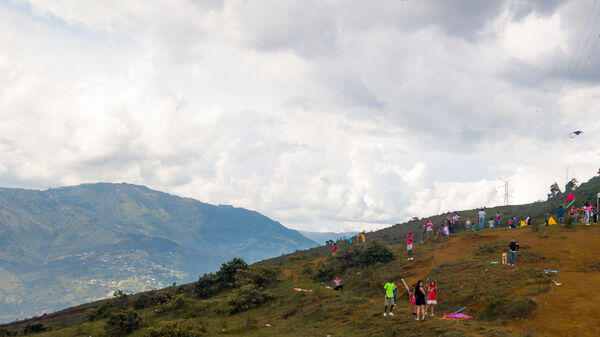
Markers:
<point>551,221</point>
<point>523,224</point>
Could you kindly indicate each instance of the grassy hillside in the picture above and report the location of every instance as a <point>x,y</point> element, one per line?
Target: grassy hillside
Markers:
<point>260,300</point>
<point>71,245</point>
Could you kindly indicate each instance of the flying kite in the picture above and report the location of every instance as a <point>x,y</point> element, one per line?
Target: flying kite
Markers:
<point>575,134</point>
<point>571,198</point>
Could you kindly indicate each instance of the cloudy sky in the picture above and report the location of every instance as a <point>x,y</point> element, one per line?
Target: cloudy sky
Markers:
<point>324,115</point>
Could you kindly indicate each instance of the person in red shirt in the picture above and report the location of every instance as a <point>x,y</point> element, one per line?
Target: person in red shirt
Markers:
<point>431,297</point>
<point>335,248</point>
<point>409,242</point>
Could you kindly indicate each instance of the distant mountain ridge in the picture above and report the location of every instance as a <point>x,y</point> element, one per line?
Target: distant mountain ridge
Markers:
<point>322,237</point>
<point>70,245</point>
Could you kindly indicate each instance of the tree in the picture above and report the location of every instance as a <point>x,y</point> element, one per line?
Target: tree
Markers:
<point>554,191</point>
<point>226,275</point>
<point>572,185</point>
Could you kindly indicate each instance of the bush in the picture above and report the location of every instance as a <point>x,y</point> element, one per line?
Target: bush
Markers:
<point>206,286</point>
<point>505,309</point>
<point>226,275</point>
<point>141,302</point>
<point>180,302</point>
<point>259,276</point>
<point>245,298</point>
<point>375,253</point>
<point>33,328</point>
<point>122,323</point>
<point>102,312</point>
<point>178,328</point>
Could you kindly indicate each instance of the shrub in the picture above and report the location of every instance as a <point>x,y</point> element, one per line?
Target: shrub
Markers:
<point>259,276</point>
<point>226,275</point>
<point>505,309</point>
<point>206,286</point>
<point>180,302</point>
<point>375,253</point>
<point>569,223</point>
<point>122,323</point>
<point>103,311</point>
<point>34,328</point>
<point>177,328</point>
<point>244,298</point>
<point>141,302</point>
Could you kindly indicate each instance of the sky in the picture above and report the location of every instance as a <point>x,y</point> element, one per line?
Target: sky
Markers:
<point>324,115</point>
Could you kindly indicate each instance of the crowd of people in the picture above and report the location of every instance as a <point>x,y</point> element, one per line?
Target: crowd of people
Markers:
<point>424,299</point>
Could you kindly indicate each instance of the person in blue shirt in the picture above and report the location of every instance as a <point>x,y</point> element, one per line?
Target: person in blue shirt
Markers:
<point>561,215</point>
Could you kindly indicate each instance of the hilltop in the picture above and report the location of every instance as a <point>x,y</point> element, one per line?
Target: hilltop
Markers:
<point>72,245</point>
<point>259,300</point>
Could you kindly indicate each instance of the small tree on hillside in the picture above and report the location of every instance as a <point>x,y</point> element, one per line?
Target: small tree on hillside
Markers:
<point>572,185</point>
<point>226,275</point>
<point>554,191</point>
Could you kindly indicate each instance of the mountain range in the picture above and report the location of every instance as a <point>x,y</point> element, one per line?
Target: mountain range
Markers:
<point>71,245</point>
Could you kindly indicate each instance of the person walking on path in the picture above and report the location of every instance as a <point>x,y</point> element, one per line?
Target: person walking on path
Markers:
<point>513,247</point>
<point>389,297</point>
<point>561,214</point>
<point>431,297</point>
<point>481,215</point>
<point>409,246</point>
<point>420,300</point>
<point>338,284</point>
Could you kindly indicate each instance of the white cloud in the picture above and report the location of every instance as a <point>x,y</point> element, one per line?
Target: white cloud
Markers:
<point>328,116</point>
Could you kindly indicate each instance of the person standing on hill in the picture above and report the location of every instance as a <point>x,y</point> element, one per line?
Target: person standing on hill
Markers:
<point>455,222</point>
<point>497,219</point>
<point>468,224</point>
<point>587,209</point>
<point>409,244</point>
<point>423,233</point>
<point>420,300</point>
<point>335,248</point>
<point>431,297</point>
<point>513,247</point>
<point>389,297</point>
<point>561,214</point>
<point>547,218</point>
<point>511,223</point>
<point>429,228</point>
<point>481,215</point>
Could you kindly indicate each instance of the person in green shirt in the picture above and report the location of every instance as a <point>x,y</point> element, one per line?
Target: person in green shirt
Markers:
<point>389,297</point>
